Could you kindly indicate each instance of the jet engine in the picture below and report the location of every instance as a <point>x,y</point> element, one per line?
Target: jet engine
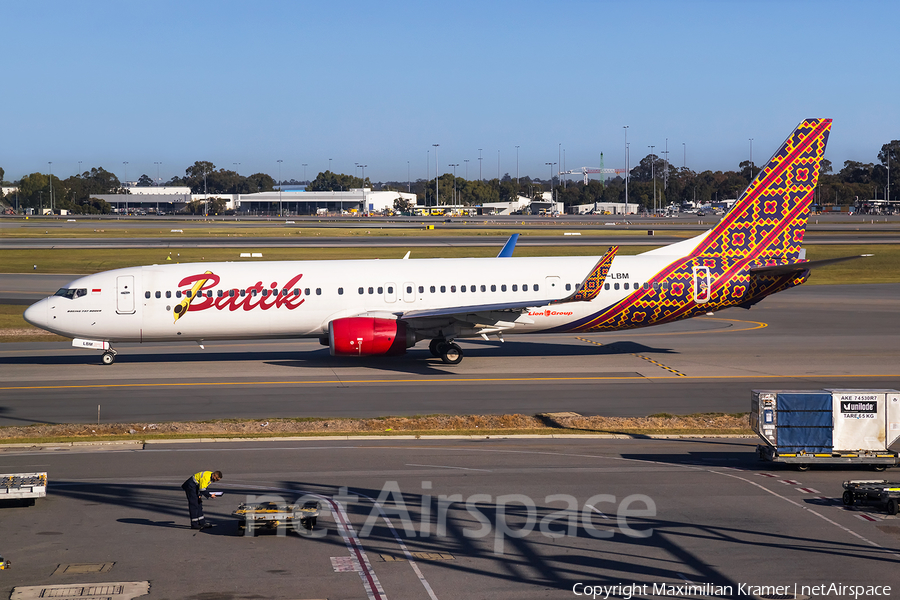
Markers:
<point>366,336</point>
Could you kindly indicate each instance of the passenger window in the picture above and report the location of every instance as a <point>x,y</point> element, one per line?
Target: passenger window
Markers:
<point>306,292</point>
<point>443,289</point>
<point>524,287</point>
<point>483,289</point>
<point>169,294</point>
<point>231,293</point>
<point>605,286</point>
<point>432,289</point>
<point>265,293</point>
<point>409,289</point>
<point>371,290</point>
<point>493,288</point>
<point>453,288</point>
<point>536,288</point>
<point>340,291</point>
<point>253,292</point>
<point>421,289</point>
<point>146,294</point>
<point>178,293</point>
<point>568,287</point>
<point>515,288</point>
<point>297,291</point>
<point>665,285</point>
<point>655,286</point>
<point>462,288</point>
<point>362,291</point>
<point>209,293</point>
<point>390,289</point>
<point>318,291</point>
<point>503,287</point>
<point>616,285</point>
<point>243,293</point>
<point>626,285</point>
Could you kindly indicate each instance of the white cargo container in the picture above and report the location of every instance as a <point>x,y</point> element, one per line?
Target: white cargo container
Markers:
<point>806,427</point>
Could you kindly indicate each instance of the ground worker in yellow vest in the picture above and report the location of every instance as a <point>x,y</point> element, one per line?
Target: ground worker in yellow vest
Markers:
<point>194,488</point>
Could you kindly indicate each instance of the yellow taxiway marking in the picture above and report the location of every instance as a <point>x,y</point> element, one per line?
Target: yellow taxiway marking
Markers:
<point>647,358</point>
<point>447,380</point>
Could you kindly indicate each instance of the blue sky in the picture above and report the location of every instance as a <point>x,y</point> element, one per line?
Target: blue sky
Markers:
<point>378,83</point>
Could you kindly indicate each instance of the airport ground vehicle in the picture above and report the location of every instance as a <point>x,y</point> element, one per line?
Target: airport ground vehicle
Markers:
<point>880,491</point>
<point>272,515</point>
<point>810,427</point>
<point>19,486</point>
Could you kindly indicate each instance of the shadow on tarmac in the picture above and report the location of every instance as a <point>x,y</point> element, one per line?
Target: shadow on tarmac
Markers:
<point>538,539</point>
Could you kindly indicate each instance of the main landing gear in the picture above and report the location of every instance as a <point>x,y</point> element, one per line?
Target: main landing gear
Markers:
<point>447,350</point>
<point>108,357</point>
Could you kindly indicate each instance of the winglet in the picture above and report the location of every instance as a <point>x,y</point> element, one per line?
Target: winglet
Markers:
<point>509,246</point>
<point>593,283</point>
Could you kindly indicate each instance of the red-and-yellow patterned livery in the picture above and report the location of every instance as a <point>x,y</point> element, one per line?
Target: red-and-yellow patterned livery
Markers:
<point>765,227</point>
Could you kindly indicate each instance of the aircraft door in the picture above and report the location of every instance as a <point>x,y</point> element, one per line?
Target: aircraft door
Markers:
<point>551,284</point>
<point>125,294</point>
<point>702,285</point>
<point>390,292</point>
<point>409,292</point>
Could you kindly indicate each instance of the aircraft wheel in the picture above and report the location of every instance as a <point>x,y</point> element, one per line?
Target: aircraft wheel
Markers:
<point>108,358</point>
<point>893,507</point>
<point>433,346</point>
<point>848,498</point>
<point>451,353</point>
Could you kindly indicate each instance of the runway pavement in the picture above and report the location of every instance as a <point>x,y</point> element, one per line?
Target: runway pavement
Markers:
<point>449,520</point>
<point>807,338</point>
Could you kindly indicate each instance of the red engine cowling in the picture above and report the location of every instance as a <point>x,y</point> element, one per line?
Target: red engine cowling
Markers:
<point>365,336</point>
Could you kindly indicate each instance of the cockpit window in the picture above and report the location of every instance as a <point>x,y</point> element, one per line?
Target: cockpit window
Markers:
<point>71,293</point>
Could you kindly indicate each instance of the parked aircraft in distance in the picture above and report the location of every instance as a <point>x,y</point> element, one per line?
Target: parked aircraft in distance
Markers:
<point>383,307</point>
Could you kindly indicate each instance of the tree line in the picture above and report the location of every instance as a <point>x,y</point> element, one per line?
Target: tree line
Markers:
<point>652,183</point>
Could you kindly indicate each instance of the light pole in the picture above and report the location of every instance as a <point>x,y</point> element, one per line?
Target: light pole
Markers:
<point>550,164</point>
<point>454,165</point>
<point>157,172</point>
<point>365,206</point>
<point>124,183</point>
<point>466,160</point>
<point>408,182</point>
<point>751,160</point>
<point>684,158</point>
<point>79,168</point>
<point>50,163</point>
<point>498,168</point>
<point>305,181</point>
<point>480,178</point>
<point>625,127</point>
<point>280,213</point>
<point>329,165</point>
<point>437,191</point>
<point>517,166</point>
<point>653,175</point>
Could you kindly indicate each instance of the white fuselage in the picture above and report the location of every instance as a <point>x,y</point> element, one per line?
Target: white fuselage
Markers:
<point>139,303</point>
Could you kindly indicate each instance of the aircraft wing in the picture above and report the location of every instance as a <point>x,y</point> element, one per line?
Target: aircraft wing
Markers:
<point>799,267</point>
<point>452,311</point>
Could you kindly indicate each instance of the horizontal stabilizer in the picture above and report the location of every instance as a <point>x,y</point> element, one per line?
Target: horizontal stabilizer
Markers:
<point>799,267</point>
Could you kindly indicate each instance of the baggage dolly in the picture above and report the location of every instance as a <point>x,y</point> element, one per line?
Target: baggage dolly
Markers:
<point>272,515</point>
<point>879,491</point>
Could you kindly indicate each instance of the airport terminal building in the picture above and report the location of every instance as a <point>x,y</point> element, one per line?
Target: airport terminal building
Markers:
<point>169,200</point>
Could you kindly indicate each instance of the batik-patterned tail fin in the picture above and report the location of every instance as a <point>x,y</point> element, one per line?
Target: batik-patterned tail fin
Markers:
<point>769,219</point>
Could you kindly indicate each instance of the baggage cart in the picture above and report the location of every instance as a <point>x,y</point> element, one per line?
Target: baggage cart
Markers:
<point>18,486</point>
<point>873,491</point>
<point>271,515</point>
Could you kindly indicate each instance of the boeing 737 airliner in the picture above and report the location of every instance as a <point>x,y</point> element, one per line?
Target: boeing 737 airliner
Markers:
<point>383,307</point>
